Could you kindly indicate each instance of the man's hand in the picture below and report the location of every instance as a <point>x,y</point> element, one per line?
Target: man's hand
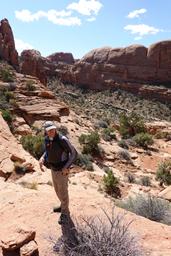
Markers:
<point>65,172</point>
<point>41,163</point>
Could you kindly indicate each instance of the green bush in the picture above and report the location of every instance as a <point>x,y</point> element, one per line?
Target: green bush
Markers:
<point>149,207</point>
<point>30,86</point>
<point>6,75</point>
<point>85,161</point>
<point>9,95</point>
<point>108,134</point>
<point>163,173</point>
<point>131,124</point>
<point>101,124</point>
<point>123,144</point>
<point>145,181</point>
<point>111,183</point>
<point>7,116</point>
<point>33,144</point>
<point>125,155</point>
<point>143,139</point>
<point>90,143</point>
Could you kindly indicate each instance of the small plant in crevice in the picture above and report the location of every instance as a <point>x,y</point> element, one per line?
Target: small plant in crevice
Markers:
<point>111,184</point>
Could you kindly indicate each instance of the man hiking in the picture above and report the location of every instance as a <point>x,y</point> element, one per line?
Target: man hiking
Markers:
<point>58,156</point>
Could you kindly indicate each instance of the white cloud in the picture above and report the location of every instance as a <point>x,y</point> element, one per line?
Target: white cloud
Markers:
<point>136,13</point>
<point>20,45</point>
<point>142,30</point>
<point>57,17</point>
<point>91,19</point>
<point>86,7</point>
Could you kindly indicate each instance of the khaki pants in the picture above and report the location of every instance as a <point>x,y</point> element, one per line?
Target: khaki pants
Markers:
<point>60,183</point>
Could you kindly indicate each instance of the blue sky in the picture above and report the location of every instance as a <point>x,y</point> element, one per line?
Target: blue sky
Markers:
<point>78,26</point>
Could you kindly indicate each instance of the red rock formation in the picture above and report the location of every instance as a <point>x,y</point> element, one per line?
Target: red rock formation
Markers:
<point>32,63</point>
<point>7,44</point>
<point>57,57</point>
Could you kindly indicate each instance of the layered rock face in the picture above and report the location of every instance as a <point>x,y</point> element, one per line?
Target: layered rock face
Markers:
<point>105,66</point>
<point>7,44</point>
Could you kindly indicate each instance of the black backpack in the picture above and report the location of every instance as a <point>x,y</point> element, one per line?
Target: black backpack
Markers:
<point>75,151</point>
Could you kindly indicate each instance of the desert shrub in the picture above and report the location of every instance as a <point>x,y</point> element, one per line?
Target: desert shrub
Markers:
<point>107,235</point>
<point>33,144</point>
<point>145,181</point>
<point>108,134</point>
<point>101,124</point>
<point>163,135</point>
<point>90,143</point>
<point>7,116</point>
<point>123,144</point>
<point>85,161</point>
<point>111,183</point>
<point>130,177</point>
<point>131,124</point>
<point>163,173</point>
<point>149,207</point>
<point>9,95</point>
<point>124,155</point>
<point>143,139</point>
<point>6,75</point>
<point>30,86</point>
<point>63,130</point>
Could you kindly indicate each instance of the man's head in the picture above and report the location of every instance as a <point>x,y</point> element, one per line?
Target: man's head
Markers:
<point>50,129</point>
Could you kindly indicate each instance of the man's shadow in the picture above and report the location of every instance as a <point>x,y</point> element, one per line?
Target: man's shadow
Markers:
<point>69,239</point>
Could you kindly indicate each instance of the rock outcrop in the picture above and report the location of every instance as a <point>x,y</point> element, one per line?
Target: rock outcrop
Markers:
<point>61,57</point>
<point>20,243</point>
<point>11,151</point>
<point>7,44</point>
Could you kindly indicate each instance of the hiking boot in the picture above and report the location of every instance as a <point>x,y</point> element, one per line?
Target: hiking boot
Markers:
<point>57,209</point>
<point>63,219</point>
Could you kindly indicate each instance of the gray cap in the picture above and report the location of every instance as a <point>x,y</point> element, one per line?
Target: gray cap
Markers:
<point>49,125</point>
